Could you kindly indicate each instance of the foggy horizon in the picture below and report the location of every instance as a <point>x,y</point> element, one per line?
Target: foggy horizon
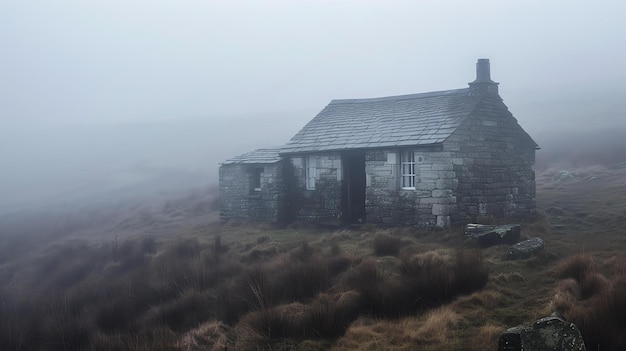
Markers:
<point>102,96</point>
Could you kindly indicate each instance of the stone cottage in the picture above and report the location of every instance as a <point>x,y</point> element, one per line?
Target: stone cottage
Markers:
<point>430,159</point>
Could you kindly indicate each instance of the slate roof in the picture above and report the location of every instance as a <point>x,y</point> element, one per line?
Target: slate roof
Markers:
<point>269,155</point>
<point>417,119</point>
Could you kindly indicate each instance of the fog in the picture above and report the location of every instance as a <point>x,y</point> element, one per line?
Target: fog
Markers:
<point>117,99</point>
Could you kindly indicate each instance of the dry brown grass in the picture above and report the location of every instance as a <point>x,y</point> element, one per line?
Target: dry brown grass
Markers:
<point>326,317</point>
<point>433,331</point>
<point>576,266</point>
<point>386,245</point>
<point>262,287</point>
<point>485,339</point>
<point>509,277</point>
<point>484,299</point>
<point>593,302</point>
<point>437,327</point>
<point>209,336</point>
<point>156,339</point>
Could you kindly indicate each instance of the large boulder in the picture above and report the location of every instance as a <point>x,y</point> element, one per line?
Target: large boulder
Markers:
<point>525,249</point>
<point>549,333</point>
<point>490,235</point>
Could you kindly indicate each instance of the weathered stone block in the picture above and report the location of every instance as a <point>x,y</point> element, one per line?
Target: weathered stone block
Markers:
<point>424,167</point>
<point>438,200</point>
<point>489,235</point>
<point>446,174</point>
<point>442,193</point>
<point>443,209</point>
<point>457,161</point>
<point>384,171</point>
<point>423,193</point>
<point>448,183</point>
<point>429,175</point>
<point>442,167</point>
<point>425,185</point>
<point>443,221</point>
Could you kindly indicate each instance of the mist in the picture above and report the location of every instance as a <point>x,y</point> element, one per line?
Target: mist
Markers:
<point>115,116</point>
<point>59,165</point>
<point>111,101</point>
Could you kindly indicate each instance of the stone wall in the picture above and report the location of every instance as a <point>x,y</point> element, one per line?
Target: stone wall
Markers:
<point>429,204</point>
<point>493,161</point>
<point>239,197</point>
<point>386,203</point>
<point>322,204</point>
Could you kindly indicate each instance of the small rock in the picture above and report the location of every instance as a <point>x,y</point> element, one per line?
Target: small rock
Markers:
<point>525,249</point>
<point>564,175</point>
<point>490,235</point>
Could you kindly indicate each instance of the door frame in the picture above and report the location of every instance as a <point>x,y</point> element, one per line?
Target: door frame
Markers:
<point>353,187</point>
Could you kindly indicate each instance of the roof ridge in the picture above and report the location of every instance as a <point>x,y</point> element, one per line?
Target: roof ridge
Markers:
<point>271,148</point>
<point>402,97</point>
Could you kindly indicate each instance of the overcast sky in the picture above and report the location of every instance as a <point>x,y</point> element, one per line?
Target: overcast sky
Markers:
<point>270,66</point>
<point>118,61</point>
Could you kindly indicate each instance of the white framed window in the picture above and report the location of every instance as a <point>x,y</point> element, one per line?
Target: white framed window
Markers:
<point>310,173</point>
<point>407,170</point>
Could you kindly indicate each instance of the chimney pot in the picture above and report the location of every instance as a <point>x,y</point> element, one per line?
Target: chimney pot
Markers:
<point>483,85</point>
<point>483,71</point>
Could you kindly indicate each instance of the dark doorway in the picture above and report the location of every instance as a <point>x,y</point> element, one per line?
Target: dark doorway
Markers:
<point>353,197</point>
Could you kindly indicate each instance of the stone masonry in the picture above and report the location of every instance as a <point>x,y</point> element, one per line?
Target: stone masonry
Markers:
<point>428,205</point>
<point>493,162</point>
<point>324,202</point>
<point>239,198</point>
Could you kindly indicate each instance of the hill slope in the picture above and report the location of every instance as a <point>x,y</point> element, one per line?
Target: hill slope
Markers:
<point>165,275</point>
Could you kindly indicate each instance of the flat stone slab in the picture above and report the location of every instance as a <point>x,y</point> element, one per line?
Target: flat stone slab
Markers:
<point>490,235</point>
<point>549,333</point>
<point>525,249</point>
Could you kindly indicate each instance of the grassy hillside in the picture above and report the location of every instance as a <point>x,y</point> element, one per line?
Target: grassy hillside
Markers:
<point>168,276</point>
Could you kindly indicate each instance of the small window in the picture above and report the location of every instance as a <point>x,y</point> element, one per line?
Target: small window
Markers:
<point>255,175</point>
<point>310,173</point>
<point>408,170</point>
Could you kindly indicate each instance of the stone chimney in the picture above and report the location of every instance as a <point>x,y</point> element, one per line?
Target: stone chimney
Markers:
<point>483,85</point>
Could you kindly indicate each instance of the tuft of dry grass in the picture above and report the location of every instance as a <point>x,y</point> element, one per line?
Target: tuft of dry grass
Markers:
<point>593,284</point>
<point>326,317</point>
<point>189,309</point>
<point>329,315</point>
<point>422,281</point>
<point>593,302</point>
<point>153,339</point>
<point>386,245</point>
<point>432,331</point>
<point>509,277</point>
<point>437,326</point>
<point>576,266</point>
<point>484,299</point>
<point>486,339</point>
<point>261,328</point>
<point>209,336</point>
<point>566,292</point>
<point>441,277</point>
